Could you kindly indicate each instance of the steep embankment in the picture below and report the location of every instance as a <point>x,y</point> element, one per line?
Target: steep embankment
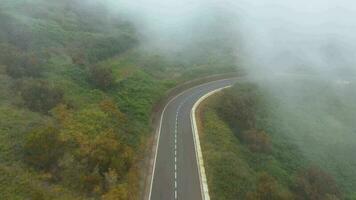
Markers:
<point>246,158</point>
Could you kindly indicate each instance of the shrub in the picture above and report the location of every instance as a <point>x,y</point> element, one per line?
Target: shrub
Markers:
<point>78,58</point>
<point>98,163</point>
<point>101,77</point>
<point>239,106</point>
<point>106,47</point>
<point>314,184</point>
<point>40,97</point>
<point>19,64</point>
<point>23,65</point>
<point>268,189</point>
<point>118,193</point>
<point>257,141</point>
<point>107,152</point>
<point>43,148</point>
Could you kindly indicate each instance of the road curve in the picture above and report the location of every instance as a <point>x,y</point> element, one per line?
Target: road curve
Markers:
<point>175,171</point>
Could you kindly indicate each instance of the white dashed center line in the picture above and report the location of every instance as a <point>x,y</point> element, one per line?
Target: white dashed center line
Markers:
<point>175,152</point>
<point>175,149</point>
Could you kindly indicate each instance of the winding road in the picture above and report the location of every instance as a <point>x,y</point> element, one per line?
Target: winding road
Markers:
<point>176,172</point>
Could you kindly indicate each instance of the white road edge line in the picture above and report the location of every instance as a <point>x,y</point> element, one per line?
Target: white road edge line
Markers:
<point>160,127</point>
<point>200,161</point>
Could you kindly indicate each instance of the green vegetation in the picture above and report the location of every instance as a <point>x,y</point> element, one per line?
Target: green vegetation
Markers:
<point>246,158</point>
<point>38,96</point>
<point>317,115</point>
<point>76,93</point>
<point>101,77</point>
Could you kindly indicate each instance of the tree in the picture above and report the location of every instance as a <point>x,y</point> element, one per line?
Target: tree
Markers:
<point>118,119</point>
<point>19,64</point>
<point>43,148</point>
<point>79,58</point>
<point>239,106</point>
<point>39,96</point>
<point>106,47</point>
<point>314,184</point>
<point>257,141</point>
<point>107,152</point>
<point>92,181</point>
<point>101,77</point>
<point>97,159</point>
<point>24,65</point>
<point>103,159</point>
<point>268,189</point>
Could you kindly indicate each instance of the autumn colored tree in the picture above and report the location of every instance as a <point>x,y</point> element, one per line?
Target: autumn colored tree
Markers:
<point>92,182</point>
<point>118,119</point>
<point>314,184</point>
<point>104,159</point>
<point>99,158</point>
<point>61,114</point>
<point>108,153</point>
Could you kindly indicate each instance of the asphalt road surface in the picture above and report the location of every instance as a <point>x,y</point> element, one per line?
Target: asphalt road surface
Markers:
<point>176,174</point>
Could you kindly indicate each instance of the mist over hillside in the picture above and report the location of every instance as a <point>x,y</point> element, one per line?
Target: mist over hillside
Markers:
<point>302,52</point>
<point>270,36</point>
<point>112,59</point>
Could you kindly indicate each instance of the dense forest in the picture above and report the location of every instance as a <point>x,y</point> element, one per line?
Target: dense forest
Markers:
<point>76,93</point>
<point>248,157</point>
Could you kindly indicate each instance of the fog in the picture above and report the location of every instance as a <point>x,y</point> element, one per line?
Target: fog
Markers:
<point>302,52</point>
<point>269,36</point>
<point>313,36</point>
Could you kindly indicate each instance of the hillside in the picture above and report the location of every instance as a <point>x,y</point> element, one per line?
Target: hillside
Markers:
<point>76,94</point>
<point>263,143</point>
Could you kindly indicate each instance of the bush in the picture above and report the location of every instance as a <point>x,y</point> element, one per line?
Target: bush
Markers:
<point>101,77</point>
<point>19,64</point>
<point>78,58</point>
<point>40,97</point>
<point>268,189</point>
<point>97,158</point>
<point>239,106</point>
<point>118,193</point>
<point>43,148</point>
<point>97,163</point>
<point>106,47</point>
<point>257,141</point>
<point>24,66</point>
<point>315,184</point>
